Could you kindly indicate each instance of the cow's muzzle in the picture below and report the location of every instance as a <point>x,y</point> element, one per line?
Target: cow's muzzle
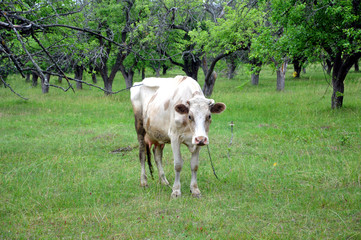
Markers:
<point>201,141</point>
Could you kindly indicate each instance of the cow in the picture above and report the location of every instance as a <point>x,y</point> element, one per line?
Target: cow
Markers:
<point>172,111</point>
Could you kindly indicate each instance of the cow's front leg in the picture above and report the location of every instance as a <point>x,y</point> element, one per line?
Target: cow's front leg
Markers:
<point>194,167</point>
<point>178,164</point>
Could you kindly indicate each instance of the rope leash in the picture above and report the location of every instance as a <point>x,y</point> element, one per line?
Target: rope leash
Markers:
<point>210,159</point>
<point>228,152</point>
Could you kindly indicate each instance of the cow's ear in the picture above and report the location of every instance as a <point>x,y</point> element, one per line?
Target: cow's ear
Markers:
<point>181,108</point>
<point>218,108</point>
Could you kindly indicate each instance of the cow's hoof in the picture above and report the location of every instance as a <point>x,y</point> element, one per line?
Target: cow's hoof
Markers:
<point>164,181</point>
<point>176,194</point>
<point>196,193</point>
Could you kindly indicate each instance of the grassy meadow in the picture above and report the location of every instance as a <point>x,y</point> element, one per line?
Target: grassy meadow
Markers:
<point>69,165</point>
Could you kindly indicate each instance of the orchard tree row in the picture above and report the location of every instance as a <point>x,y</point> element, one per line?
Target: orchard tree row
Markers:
<point>52,38</point>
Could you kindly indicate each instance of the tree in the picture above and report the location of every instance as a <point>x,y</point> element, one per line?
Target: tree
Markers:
<point>36,32</point>
<point>271,45</point>
<point>28,40</point>
<point>168,33</point>
<point>332,27</point>
<point>225,34</point>
<point>118,21</point>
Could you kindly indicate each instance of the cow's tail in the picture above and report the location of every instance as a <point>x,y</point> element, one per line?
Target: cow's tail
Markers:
<point>149,158</point>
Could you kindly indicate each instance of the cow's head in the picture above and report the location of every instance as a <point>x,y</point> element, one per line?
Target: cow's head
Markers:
<point>198,113</point>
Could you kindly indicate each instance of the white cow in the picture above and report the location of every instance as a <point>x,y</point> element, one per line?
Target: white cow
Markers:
<point>175,111</point>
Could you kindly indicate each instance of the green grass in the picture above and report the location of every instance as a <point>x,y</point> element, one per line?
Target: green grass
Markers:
<point>294,170</point>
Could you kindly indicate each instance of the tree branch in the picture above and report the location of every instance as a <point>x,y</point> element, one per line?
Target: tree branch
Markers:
<point>85,30</point>
<point>51,59</point>
<point>172,61</point>
<point>11,56</point>
<point>213,65</point>
<point>7,85</point>
<point>23,46</point>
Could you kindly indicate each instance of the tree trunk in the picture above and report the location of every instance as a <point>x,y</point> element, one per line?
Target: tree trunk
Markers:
<point>103,70</point>
<point>356,67</point>
<point>191,65</point>
<point>45,83</point>
<point>256,69</point>
<point>78,70</point>
<point>127,75</point>
<point>143,73</point>
<point>329,66</point>
<point>35,79</point>
<point>297,67</point>
<point>255,77</point>
<point>231,68</point>
<point>94,78</point>
<point>108,86</point>
<point>341,67</point>
<point>157,71</point>
<point>165,68</point>
<point>108,83</point>
<point>281,76</point>
<point>27,77</point>
<point>209,85</point>
<point>210,78</point>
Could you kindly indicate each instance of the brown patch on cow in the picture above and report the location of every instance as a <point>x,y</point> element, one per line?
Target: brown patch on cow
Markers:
<point>185,122</point>
<point>175,94</point>
<point>153,97</point>
<point>160,136</point>
<point>139,124</point>
<point>148,123</point>
<point>166,105</point>
<point>182,79</point>
<point>195,185</point>
<point>196,93</point>
<point>195,169</point>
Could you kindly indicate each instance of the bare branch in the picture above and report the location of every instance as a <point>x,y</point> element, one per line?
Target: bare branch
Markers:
<point>50,57</point>
<point>76,80</point>
<point>23,45</point>
<point>84,30</point>
<point>213,64</point>
<point>8,52</point>
<point>20,27</point>
<point>7,85</point>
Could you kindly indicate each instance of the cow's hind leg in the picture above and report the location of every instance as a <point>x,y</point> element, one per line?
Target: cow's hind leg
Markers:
<point>142,149</point>
<point>158,154</point>
<point>149,160</point>
<point>142,158</point>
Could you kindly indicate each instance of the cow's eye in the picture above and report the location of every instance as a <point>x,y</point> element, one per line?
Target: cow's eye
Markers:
<point>209,117</point>
<point>190,117</point>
